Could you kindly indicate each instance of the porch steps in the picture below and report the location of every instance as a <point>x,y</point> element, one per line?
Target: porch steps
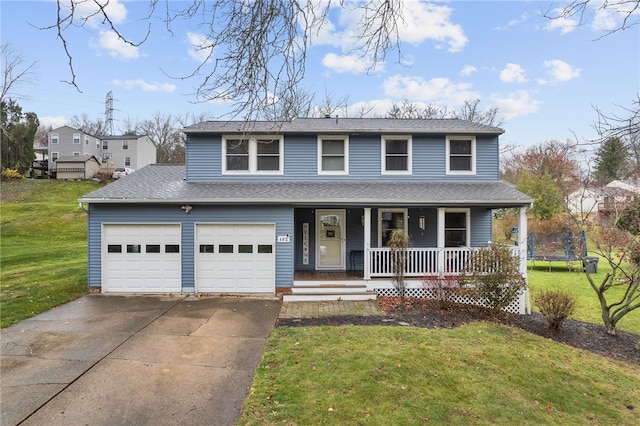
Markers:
<point>328,292</point>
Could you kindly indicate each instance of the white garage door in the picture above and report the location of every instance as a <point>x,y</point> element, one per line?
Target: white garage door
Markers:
<point>235,258</point>
<point>141,258</point>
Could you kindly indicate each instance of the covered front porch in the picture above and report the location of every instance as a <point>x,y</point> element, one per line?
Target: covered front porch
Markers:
<point>347,249</point>
<point>358,239</point>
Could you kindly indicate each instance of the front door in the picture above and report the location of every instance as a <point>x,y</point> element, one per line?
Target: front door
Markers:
<point>330,225</point>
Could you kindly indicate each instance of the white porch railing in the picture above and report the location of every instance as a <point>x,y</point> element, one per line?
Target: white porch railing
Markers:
<point>421,262</point>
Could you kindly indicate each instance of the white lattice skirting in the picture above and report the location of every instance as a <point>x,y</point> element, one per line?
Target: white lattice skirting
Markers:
<point>518,306</point>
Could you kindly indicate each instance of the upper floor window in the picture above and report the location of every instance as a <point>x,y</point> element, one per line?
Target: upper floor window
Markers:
<point>97,144</point>
<point>106,156</point>
<point>127,161</point>
<point>76,138</point>
<point>333,155</point>
<point>461,155</point>
<point>105,144</point>
<point>125,144</point>
<point>396,155</point>
<point>456,228</point>
<point>55,156</point>
<point>86,140</point>
<point>54,138</point>
<point>252,155</point>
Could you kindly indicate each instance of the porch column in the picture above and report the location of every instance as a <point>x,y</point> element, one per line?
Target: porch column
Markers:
<point>367,242</point>
<point>522,239</point>
<point>523,235</point>
<point>440,240</point>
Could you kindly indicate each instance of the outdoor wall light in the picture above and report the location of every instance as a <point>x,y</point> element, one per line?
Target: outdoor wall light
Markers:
<point>187,208</point>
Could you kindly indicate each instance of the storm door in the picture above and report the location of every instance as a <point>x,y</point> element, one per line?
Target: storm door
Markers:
<point>330,239</point>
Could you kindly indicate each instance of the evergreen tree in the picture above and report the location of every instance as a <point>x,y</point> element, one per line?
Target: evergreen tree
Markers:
<point>18,133</point>
<point>611,161</point>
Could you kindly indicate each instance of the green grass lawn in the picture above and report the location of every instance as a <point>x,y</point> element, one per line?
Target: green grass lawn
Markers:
<point>478,374</point>
<point>575,282</point>
<point>43,246</point>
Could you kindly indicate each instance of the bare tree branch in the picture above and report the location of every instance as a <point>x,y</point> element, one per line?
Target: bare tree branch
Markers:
<point>15,71</point>
<point>579,10</point>
<point>252,51</point>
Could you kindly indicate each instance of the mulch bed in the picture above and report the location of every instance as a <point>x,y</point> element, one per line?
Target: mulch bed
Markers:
<point>623,346</point>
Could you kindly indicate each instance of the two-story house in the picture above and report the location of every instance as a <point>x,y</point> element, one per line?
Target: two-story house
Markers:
<point>306,205</point>
<point>130,151</point>
<point>133,151</point>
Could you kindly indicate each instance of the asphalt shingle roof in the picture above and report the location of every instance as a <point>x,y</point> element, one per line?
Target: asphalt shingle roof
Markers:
<point>166,184</point>
<point>346,125</point>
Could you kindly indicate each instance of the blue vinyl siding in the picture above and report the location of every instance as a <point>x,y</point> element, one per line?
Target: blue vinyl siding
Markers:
<point>282,216</point>
<point>481,224</point>
<point>204,159</point>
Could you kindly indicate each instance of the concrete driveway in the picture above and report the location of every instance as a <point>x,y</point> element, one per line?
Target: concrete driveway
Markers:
<point>134,360</point>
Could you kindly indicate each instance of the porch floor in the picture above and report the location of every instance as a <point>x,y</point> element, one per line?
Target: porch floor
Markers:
<point>338,276</point>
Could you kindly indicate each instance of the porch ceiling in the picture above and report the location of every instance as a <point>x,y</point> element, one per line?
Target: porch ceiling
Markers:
<point>162,184</point>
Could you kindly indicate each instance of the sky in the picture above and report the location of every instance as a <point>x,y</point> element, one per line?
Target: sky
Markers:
<point>545,77</point>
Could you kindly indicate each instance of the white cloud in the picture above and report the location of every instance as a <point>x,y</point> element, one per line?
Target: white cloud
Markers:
<point>563,24</point>
<point>513,73</point>
<point>561,71</point>
<point>515,104</point>
<point>116,47</point>
<point>200,50</point>
<point>54,122</point>
<point>441,91</point>
<point>468,70</point>
<point>348,63</point>
<point>145,86</point>
<point>421,21</point>
<point>611,16</point>
<point>90,11</point>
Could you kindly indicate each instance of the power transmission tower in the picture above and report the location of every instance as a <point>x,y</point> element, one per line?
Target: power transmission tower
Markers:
<point>108,112</point>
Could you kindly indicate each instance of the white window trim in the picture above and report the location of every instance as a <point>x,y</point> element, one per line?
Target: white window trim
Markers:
<point>76,137</point>
<point>472,139</point>
<point>345,140</point>
<point>253,155</point>
<point>76,154</point>
<point>406,222</point>
<point>383,155</point>
<point>125,144</point>
<point>56,155</point>
<point>467,213</point>
<point>55,138</point>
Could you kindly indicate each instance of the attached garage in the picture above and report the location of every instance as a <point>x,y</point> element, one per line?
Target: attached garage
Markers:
<point>235,258</point>
<point>141,258</point>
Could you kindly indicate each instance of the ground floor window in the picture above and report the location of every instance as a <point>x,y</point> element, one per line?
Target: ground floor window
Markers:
<point>456,228</point>
<point>391,220</point>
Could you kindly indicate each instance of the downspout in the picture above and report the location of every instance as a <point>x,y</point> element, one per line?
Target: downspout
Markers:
<point>81,205</point>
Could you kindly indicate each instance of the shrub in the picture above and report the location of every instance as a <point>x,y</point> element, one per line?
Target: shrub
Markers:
<point>443,288</point>
<point>399,244</point>
<point>556,306</point>
<point>11,174</point>
<point>494,274</point>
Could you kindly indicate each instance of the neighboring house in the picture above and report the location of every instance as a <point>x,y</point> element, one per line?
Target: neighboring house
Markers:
<point>602,202</point>
<point>77,167</point>
<point>289,207</point>
<point>67,142</point>
<point>131,151</point>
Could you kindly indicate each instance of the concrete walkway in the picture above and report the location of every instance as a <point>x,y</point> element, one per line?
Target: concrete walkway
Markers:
<point>134,360</point>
